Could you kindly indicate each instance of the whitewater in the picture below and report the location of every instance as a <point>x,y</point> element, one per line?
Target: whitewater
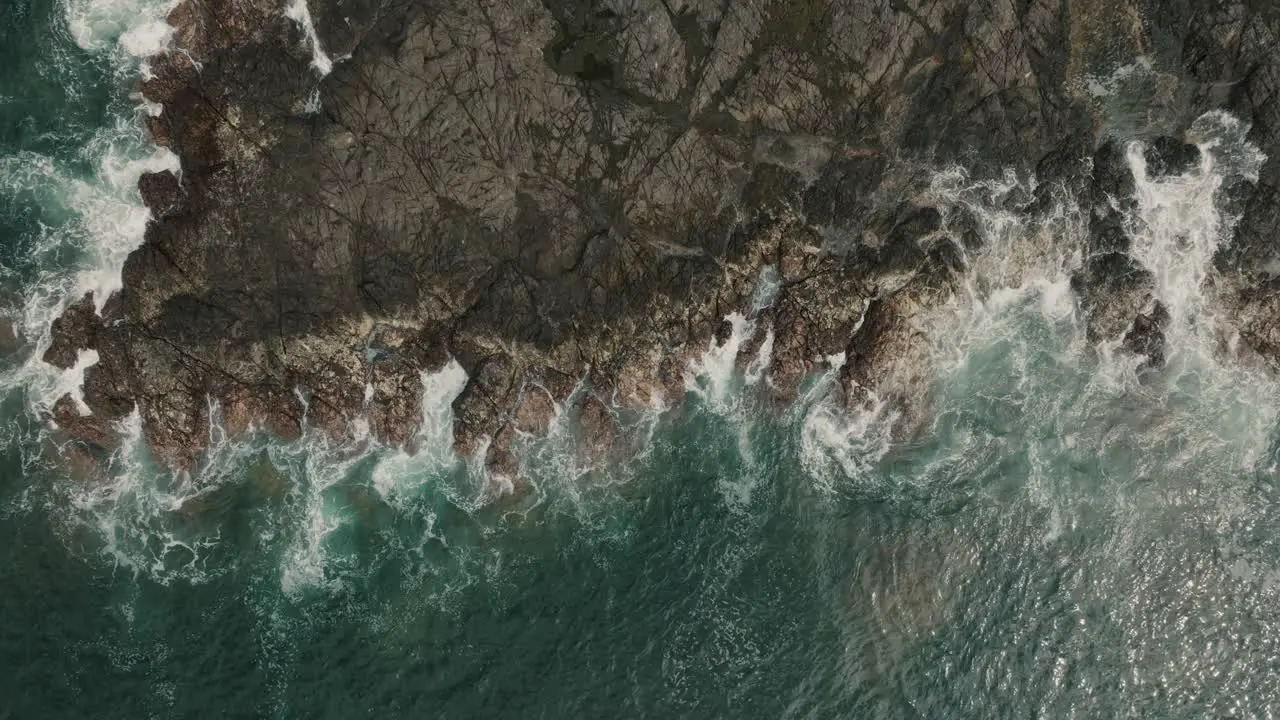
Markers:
<point>1065,534</point>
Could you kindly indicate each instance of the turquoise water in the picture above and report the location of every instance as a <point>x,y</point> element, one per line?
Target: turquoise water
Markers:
<point>1064,537</point>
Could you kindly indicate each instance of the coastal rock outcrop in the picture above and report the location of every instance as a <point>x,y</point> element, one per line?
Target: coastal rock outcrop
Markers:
<point>578,191</point>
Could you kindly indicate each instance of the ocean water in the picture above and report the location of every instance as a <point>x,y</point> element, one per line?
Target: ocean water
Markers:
<point>1068,535</point>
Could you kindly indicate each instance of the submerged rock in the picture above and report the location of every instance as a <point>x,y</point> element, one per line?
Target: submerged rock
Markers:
<point>1146,336</point>
<point>10,341</point>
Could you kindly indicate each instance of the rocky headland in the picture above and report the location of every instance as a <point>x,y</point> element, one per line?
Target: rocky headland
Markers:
<point>575,194</point>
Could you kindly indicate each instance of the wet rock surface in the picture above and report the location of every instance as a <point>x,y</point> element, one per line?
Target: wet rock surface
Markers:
<point>565,190</point>
<point>1146,336</point>
<point>72,332</point>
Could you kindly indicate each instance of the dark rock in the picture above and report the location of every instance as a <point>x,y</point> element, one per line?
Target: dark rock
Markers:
<point>1112,176</point>
<point>946,260</point>
<point>1170,156</point>
<point>1146,336</point>
<point>160,191</point>
<point>597,428</point>
<point>500,458</point>
<point>1253,251</point>
<point>841,195</point>
<point>724,331</point>
<point>1108,234</point>
<point>814,318</point>
<point>903,249</point>
<point>563,188</point>
<point>73,331</point>
<point>772,188</point>
<point>1113,289</point>
<point>964,231</point>
<point>479,407</point>
<point>89,428</point>
<point>1111,198</point>
<point>535,411</point>
<point>754,342</point>
<point>888,358</point>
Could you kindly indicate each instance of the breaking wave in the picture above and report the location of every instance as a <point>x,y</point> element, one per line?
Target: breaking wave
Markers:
<point>1014,375</point>
<point>90,215</point>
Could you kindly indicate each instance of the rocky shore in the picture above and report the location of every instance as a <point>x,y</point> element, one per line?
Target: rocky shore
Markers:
<point>555,193</point>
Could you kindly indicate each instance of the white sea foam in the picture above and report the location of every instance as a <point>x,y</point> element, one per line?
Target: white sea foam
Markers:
<point>305,562</point>
<point>712,376</point>
<point>89,224</point>
<point>95,220</point>
<point>1022,272</point>
<point>147,39</point>
<point>135,27</point>
<point>113,215</point>
<point>1081,414</point>
<point>758,368</point>
<point>311,105</point>
<point>103,221</point>
<point>1178,225</point>
<point>840,447</point>
<point>439,390</point>
<point>768,285</point>
<point>1109,85</point>
<point>400,473</point>
<point>298,12</point>
<point>1014,331</point>
<point>139,514</point>
<point>72,381</point>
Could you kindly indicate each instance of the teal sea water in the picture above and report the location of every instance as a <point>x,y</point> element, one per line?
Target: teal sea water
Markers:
<point>1064,536</point>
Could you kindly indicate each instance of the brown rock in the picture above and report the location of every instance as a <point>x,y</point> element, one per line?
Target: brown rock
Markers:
<point>500,459</point>
<point>75,330</point>
<point>597,428</point>
<point>158,127</point>
<point>160,192</point>
<point>535,411</point>
<point>89,428</point>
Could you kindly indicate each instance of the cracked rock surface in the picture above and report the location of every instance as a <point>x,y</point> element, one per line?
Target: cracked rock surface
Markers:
<point>554,190</point>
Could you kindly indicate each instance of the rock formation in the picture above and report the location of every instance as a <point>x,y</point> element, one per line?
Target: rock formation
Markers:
<point>558,190</point>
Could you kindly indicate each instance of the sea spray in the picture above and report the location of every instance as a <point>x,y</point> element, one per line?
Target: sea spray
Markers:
<point>723,388</point>
<point>134,28</point>
<point>1012,334</point>
<point>138,514</point>
<point>1013,313</point>
<point>1065,537</point>
<point>300,13</point>
<point>96,218</point>
<point>714,373</point>
<point>840,447</point>
<point>401,472</point>
<point>1178,223</point>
